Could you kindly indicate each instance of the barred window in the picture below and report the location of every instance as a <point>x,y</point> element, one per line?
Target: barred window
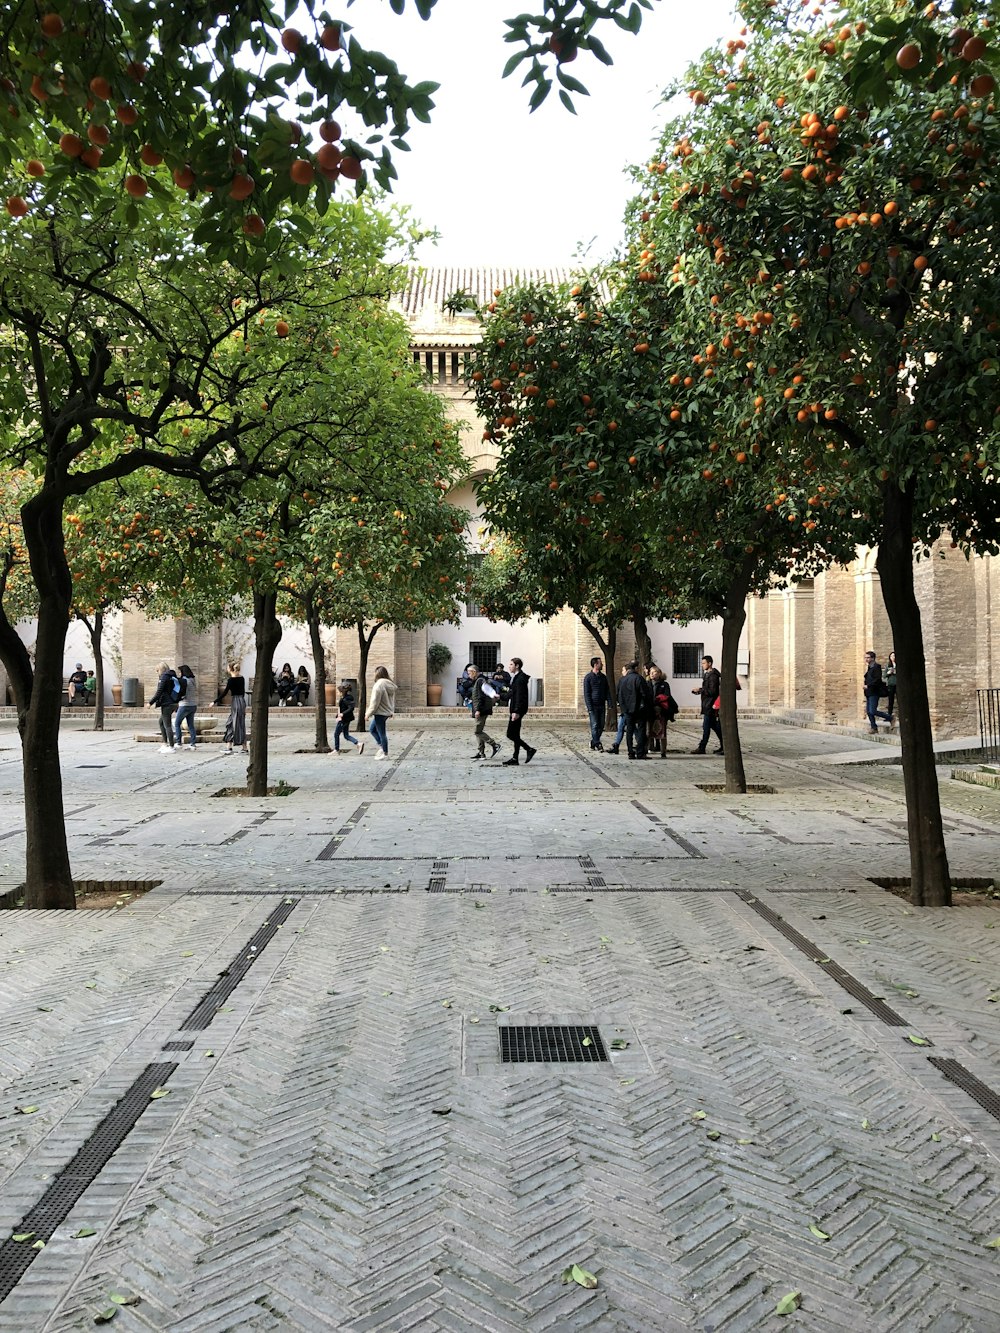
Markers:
<point>687,659</point>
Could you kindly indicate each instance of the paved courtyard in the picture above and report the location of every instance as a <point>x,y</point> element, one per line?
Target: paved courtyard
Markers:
<point>269,1094</point>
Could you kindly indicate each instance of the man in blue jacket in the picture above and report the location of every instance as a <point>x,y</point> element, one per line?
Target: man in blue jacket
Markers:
<point>596,693</point>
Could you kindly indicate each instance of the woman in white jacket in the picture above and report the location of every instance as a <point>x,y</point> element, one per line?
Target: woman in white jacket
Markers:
<point>381,707</point>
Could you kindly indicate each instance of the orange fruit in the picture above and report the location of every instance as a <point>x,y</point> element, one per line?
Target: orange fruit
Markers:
<point>908,56</point>
<point>16,206</point>
<point>291,40</point>
<point>100,87</point>
<point>136,186</point>
<point>71,144</point>
<point>51,25</point>
<point>301,171</point>
<point>242,186</point>
<point>149,156</point>
<point>281,328</point>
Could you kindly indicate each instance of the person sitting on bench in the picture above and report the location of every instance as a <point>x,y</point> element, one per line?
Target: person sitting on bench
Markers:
<point>77,685</point>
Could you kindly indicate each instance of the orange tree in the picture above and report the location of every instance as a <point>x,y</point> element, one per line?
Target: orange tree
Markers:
<point>116,361</point>
<point>617,457</point>
<point>832,235</point>
<point>191,99</point>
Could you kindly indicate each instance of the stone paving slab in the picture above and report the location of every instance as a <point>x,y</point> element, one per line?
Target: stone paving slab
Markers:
<point>340,1145</point>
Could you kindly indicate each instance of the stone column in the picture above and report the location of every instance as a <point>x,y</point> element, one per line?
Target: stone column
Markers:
<point>799,647</point>
<point>946,591</point>
<point>837,657</point>
<point>758,637</point>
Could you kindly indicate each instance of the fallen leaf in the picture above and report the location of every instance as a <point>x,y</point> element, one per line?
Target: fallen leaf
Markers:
<point>189,954</point>
<point>26,1110</point>
<point>713,1134</point>
<point>499,1008</point>
<point>815,1230</point>
<point>446,1004</point>
<point>579,1275</point>
<point>440,1110</point>
<point>619,1044</point>
<point>990,1244</point>
<point>586,1042</point>
<point>866,1124</point>
<point>159,1092</point>
<point>822,960</point>
<point>83,1233</point>
<point>699,1115</point>
<point>935,1138</point>
<point>918,1041</point>
<point>123,1300</point>
<point>625,1082</point>
<point>744,1141</point>
<point>208,1055</point>
<point>38,1245</point>
<point>474,1020</point>
<point>22,1236</point>
<point>106,1315</point>
<point>789,1304</point>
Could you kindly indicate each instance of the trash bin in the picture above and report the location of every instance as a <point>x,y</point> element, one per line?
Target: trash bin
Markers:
<point>130,691</point>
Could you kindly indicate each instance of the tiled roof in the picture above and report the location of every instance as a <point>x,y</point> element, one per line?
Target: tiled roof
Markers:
<point>426,289</point>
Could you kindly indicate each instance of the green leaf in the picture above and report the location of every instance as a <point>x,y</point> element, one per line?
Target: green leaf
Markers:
<point>22,1236</point>
<point>713,1134</point>
<point>815,1230</point>
<point>499,1008</point>
<point>699,1115</point>
<point>918,1041</point>
<point>106,1315</point>
<point>625,1082</point>
<point>159,1092</point>
<point>83,1233</point>
<point>119,1299</point>
<point>866,1124</point>
<point>789,1304</point>
<point>993,1244</point>
<point>580,1276</point>
<point>586,1042</point>
<point>26,1110</point>
<point>935,1138</point>
<point>38,1245</point>
<point>619,1044</point>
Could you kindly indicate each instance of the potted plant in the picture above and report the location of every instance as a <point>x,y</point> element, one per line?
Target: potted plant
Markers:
<point>438,658</point>
<point>116,658</point>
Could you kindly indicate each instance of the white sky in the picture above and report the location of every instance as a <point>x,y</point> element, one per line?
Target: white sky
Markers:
<point>507,188</point>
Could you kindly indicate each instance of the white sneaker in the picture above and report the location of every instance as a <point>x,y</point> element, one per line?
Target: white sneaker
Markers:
<point>166,749</point>
<point>380,754</point>
<point>281,703</point>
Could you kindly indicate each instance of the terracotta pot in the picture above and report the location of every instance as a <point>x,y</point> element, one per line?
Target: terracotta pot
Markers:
<point>434,696</point>
<point>116,695</point>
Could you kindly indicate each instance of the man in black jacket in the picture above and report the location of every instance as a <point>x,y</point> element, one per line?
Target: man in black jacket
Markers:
<point>874,690</point>
<point>518,708</point>
<point>709,691</point>
<point>632,702</point>
<point>596,693</point>
<point>482,709</point>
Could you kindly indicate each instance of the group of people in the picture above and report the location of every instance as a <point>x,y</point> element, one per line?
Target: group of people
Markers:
<point>499,680</point>
<point>877,687</point>
<point>81,685</point>
<point>381,707</point>
<point>291,687</point>
<point>645,708</point>
<point>176,696</point>
<point>510,687</point>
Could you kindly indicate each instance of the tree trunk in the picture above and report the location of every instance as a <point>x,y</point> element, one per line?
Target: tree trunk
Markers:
<point>96,631</point>
<point>319,677</point>
<point>643,643</point>
<point>267,636</point>
<point>930,879</point>
<point>365,642</point>
<point>48,876</point>
<point>734,615</point>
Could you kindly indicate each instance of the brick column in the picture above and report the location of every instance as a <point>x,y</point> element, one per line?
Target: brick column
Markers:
<point>799,646</point>
<point>758,637</point>
<point>945,588</point>
<point>837,656</point>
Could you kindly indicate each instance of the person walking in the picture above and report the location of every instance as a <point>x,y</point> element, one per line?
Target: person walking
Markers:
<point>874,689</point>
<point>482,709</point>
<point>187,706</point>
<point>711,683</point>
<point>890,680</point>
<point>165,699</point>
<point>631,703</point>
<point>236,724</point>
<point>518,709</point>
<point>345,716</point>
<point>381,707</point>
<point>596,694</point>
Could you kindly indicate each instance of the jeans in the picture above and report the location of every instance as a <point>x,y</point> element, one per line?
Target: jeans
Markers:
<point>342,729</point>
<point>621,731</point>
<point>709,723</point>
<point>377,729</point>
<point>873,711</point>
<point>596,726</point>
<point>185,713</point>
<point>166,724</point>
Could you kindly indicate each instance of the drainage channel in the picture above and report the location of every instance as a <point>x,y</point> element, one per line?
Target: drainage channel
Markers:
<point>93,1155</point>
<point>952,1070</point>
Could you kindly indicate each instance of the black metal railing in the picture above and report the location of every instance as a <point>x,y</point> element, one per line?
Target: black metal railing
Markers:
<point>989,723</point>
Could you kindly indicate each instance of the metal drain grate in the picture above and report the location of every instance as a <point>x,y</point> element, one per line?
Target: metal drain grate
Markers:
<point>77,1176</point>
<point>961,1077</point>
<point>550,1045</point>
<point>206,1008</point>
<point>177,1046</point>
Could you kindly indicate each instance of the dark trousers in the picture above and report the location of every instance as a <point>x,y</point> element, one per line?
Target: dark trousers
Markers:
<point>709,723</point>
<point>635,734</point>
<point>596,725</point>
<point>514,734</point>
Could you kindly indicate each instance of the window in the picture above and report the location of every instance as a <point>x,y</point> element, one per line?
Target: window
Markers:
<point>687,658</point>
<point>484,656</point>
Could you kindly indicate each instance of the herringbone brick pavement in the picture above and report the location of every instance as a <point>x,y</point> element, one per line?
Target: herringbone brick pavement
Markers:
<point>341,1147</point>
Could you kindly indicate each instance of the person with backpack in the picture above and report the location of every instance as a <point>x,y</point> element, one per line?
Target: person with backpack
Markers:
<point>168,689</point>
<point>482,709</point>
<point>345,716</point>
<point>186,706</point>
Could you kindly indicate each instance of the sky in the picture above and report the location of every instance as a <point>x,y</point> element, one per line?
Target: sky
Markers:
<point>507,187</point>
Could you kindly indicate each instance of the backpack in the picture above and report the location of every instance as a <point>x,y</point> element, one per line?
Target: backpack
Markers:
<point>177,688</point>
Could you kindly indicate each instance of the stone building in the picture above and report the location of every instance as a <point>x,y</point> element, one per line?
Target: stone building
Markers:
<point>807,642</point>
